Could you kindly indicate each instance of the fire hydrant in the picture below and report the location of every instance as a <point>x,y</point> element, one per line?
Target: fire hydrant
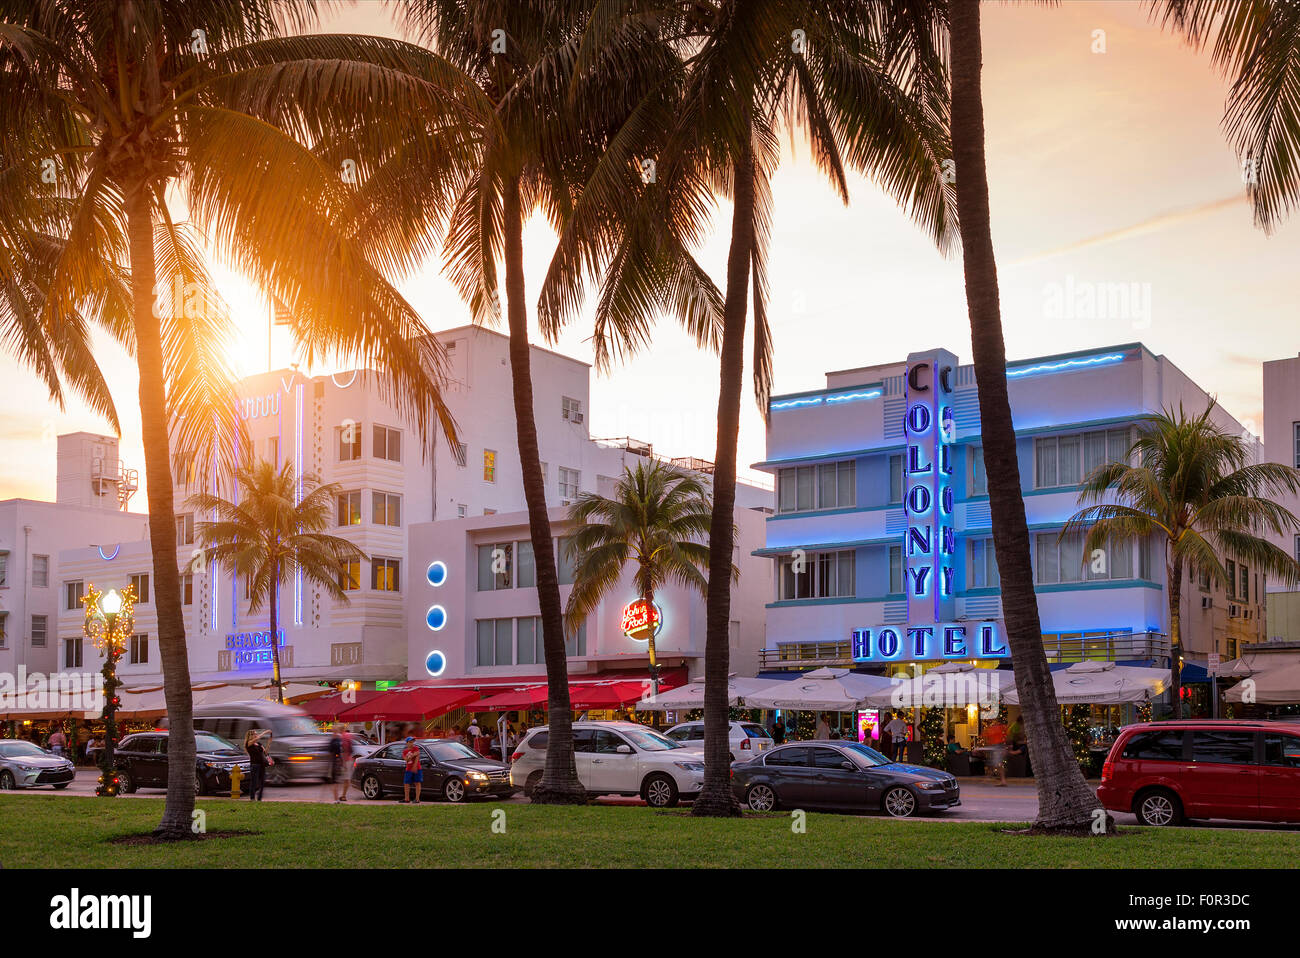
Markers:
<point>236,776</point>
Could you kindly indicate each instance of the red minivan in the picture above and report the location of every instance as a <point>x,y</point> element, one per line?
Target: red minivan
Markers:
<point>1166,772</point>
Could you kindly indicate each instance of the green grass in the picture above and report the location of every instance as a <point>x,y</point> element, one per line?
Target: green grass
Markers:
<point>67,833</point>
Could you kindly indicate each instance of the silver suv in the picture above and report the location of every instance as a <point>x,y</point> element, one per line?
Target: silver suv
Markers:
<point>617,758</point>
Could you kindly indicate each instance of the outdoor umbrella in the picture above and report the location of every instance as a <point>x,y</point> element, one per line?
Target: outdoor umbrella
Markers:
<point>825,689</point>
<point>691,695</point>
<point>1102,683</point>
<point>1280,686</point>
<point>604,695</point>
<point>951,685</point>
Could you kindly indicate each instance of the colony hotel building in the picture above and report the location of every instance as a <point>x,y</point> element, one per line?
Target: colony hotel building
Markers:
<point>882,539</point>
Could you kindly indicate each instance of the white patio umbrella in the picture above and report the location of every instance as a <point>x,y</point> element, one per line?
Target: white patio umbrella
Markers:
<point>691,695</point>
<point>951,685</point>
<point>1280,686</point>
<point>1103,683</point>
<point>825,689</point>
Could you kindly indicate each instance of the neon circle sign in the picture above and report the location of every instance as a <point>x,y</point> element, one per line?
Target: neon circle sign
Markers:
<point>641,619</point>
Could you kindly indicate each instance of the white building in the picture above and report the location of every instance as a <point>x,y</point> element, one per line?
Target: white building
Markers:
<point>1282,445</point>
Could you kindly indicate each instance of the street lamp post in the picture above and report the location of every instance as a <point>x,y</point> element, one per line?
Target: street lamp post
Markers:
<point>109,621</point>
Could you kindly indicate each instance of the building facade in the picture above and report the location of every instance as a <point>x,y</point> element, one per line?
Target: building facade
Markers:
<point>1282,445</point>
<point>882,536</point>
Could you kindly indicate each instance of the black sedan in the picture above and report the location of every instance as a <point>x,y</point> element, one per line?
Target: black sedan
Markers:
<point>141,762</point>
<point>841,775</point>
<point>452,771</point>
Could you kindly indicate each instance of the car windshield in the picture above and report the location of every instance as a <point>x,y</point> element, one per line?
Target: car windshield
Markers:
<point>207,742</point>
<point>450,751</point>
<point>20,749</point>
<point>649,740</point>
<point>868,756</point>
<point>295,725</point>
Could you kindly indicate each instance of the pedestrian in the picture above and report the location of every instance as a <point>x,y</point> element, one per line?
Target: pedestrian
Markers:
<point>1018,742</point>
<point>897,730</point>
<point>823,728</point>
<point>342,761</point>
<point>414,775</point>
<point>778,733</point>
<point>83,740</point>
<point>995,755</point>
<point>258,761</point>
<point>884,741</point>
<point>57,740</point>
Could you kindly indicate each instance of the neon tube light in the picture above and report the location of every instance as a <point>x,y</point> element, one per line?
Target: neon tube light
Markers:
<point>1066,364</point>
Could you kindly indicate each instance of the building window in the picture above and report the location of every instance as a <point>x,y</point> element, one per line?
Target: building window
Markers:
<point>489,465</point>
<point>273,451</point>
<point>563,563</point>
<point>40,572</point>
<point>349,435</point>
<point>139,649</point>
<point>72,594</point>
<point>1296,427</point>
<point>187,589</point>
<point>1243,593</point>
<point>185,529</point>
<point>1231,585</point>
<point>576,644</point>
<point>819,575</point>
<point>4,628</point>
<point>385,575</point>
<point>569,480</point>
<point>1297,548</point>
<point>494,641</point>
<point>531,649</point>
<point>387,444</point>
<point>350,575</point>
<point>895,570</point>
<point>4,570</point>
<point>570,409</point>
<point>527,577</point>
<point>1058,559</point>
<point>462,454</point>
<point>979,480</point>
<point>72,653</point>
<point>386,509</point>
<point>983,565</point>
<point>462,510</point>
<point>40,629</point>
<point>496,566</point>
<point>349,508</point>
<point>141,583</point>
<point>895,478</point>
<point>1068,460</point>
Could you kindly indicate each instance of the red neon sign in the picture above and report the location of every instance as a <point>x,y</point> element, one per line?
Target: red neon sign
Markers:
<point>640,619</point>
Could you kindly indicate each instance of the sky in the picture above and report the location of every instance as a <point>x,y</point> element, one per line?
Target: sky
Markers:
<point>1108,169</point>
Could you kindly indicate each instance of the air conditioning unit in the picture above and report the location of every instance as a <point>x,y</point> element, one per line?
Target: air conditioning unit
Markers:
<point>577,417</point>
<point>1207,602</point>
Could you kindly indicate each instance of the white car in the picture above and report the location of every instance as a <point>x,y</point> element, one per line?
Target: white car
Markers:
<point>746,739</point>
<point>617,758</point>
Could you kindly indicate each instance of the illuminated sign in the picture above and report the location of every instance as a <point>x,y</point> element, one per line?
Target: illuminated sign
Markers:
<point>250,650</point>
<point>435,663</point>
<point>948,640</point>
<point>255,407</point>
<point>641,619</point>
<point>930,542</point>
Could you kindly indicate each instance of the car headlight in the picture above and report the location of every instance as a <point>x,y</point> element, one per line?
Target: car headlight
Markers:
<point>929,786</point>
<point>28,768</point>
<point>690,766</point>
<point>476,776</point>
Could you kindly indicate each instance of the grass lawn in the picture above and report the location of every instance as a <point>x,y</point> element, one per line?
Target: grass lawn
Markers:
<point>75,833</point>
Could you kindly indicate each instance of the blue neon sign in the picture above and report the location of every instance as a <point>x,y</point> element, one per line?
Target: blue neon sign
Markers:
<point>945,640</point>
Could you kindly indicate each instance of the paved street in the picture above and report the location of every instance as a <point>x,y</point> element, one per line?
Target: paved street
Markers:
<point>981,800</point>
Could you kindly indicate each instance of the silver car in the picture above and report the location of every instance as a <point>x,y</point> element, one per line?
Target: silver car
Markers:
<point>24,765</point>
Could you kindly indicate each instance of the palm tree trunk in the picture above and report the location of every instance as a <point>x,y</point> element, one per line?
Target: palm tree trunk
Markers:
<point>716,798</point>
<point>649,599</point>
<point>177,812</point>
<point>559,785</point>
<point>1065,802</point>
<point>275,635</point>
<point>1174,589</point>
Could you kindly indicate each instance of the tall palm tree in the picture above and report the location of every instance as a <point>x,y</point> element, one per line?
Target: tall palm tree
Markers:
<point>1195,489</point>
<point>658,520</point>
<point>268,534</point>
<point>752,69</point>
<point>122,100</point>
<point>552,114</point>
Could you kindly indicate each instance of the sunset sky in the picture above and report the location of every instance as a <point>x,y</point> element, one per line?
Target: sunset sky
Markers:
<point>1104,168</point>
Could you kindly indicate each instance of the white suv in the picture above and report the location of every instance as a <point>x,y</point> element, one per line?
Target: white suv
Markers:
<point>617,758</point>
<point>745,739</point>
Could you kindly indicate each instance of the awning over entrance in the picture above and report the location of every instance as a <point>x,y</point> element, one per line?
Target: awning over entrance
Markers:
<point>408,704</point>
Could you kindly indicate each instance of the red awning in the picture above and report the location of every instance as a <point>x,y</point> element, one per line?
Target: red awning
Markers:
<point>533,697</point>
<point>408,705</point>
<point>328,707</point>
<point>607,695</point>
<point>599,694</point>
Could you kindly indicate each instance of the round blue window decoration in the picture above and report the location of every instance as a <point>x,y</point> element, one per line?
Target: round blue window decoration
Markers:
<point>437,572</point>
<point>435,663</point>
<point>436,617</point>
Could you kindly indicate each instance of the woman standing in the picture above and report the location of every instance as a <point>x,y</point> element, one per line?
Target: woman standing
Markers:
<point>259,761</point>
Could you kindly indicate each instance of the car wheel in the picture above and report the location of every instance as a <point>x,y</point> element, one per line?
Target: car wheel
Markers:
<point>453,790</point>
<point>61,786</point>
<point>659,791</point>
<point>899,802</point>
<point>7,782</point>
<point>200,786</point>
<point>371,788</point>
<point>760,797</point>
<point>531,784</point>
<point>125,783</point>
<point>277,775</point>
<point>1158,806</point>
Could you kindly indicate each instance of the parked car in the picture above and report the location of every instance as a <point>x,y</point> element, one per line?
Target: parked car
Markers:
<point>299,748</point>
<point>841,775</point>
<point>452,771</point>
<point>141,762</point>
<point>1168,772</point>
<point>363,745</point>
<point>26,765</point>
<point>617,758</point>
<point>745,738</point>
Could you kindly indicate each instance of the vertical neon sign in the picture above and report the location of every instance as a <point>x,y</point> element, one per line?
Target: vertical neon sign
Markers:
<point>929,543</point>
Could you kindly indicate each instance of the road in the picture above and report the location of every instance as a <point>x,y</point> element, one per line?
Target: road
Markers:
<point>981,801</point>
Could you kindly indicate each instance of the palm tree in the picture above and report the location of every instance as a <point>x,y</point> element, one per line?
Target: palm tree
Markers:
<point>753,68</point>
<point>269,534</point>
<point>553,111</point>
<point>1195,489</point>
<point>657,519</point>
<point>122,100</point>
